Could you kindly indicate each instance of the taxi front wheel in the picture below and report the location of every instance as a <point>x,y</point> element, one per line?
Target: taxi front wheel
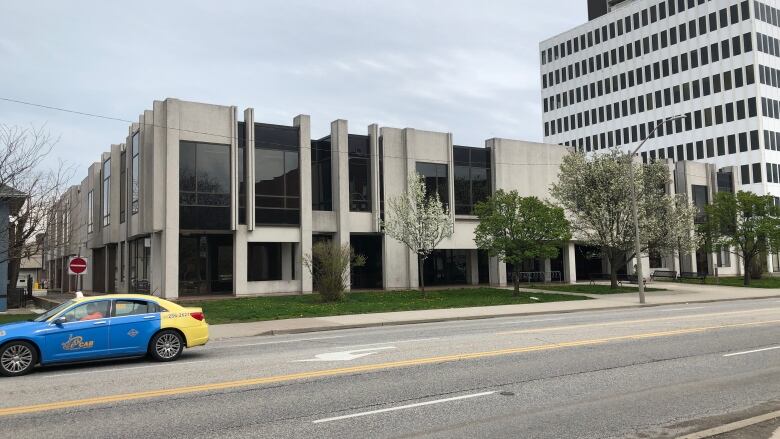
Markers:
<point>166,346</point>
<point>17,358</point>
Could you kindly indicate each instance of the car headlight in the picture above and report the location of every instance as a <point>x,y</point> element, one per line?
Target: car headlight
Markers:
<point>2,333</point>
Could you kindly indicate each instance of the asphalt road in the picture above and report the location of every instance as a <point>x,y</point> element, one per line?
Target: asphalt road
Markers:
<point>638,373</point>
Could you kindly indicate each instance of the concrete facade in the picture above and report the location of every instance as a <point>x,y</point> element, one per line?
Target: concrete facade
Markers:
<point>229,235</point>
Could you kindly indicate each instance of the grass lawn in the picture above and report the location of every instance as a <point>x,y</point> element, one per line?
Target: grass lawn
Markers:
<point>764,282</point>
<point>9,318</point>
<point>590,289</point>
<point>285,307</point>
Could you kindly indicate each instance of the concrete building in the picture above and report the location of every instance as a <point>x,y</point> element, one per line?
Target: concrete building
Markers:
<point>607,83</point>
<point>203,200</point>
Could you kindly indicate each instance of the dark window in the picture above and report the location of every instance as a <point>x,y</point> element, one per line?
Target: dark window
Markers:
<point>277,187</point>
<point>204,186</point>
<point>472,178</point>
<point>435,177</point>
<point>321,180</point>
<point>264,261</point>
<point>745,171</point>
<point>756,172</point>
<point>700,199</point>
<point>122,186</point>
<point>105,201</point>
<point>135,170</point>
<point>360,173</point>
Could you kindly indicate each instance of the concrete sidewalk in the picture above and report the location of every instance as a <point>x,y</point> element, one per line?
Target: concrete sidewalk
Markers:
<point>676,293</point>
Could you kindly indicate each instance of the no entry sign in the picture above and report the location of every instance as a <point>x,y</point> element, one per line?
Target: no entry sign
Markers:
<point>77,265</point>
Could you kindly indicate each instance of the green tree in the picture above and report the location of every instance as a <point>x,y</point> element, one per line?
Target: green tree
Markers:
<point>517,229</point>
<point>745,223</point>
<point>596,191</point>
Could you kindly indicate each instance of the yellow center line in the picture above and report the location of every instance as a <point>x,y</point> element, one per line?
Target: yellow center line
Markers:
<point>624,322</point>
<point>354,369</point>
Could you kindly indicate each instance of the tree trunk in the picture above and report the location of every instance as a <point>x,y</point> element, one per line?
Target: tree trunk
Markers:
<point>613,281</point>
<point>747,262</point>
<point>516,278</point>
<point>679,260</point>
<point>420,261</point>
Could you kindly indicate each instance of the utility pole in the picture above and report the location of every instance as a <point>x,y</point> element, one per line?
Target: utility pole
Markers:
<point>637,239</point>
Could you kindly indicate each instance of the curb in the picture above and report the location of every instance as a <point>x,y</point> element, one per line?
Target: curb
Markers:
<point>734,426</point>
<point>478,317</point>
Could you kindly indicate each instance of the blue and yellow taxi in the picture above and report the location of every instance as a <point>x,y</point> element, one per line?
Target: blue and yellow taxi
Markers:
<point>102,327</point>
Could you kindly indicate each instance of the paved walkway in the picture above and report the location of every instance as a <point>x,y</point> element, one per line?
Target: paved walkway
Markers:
<point>676,293</point>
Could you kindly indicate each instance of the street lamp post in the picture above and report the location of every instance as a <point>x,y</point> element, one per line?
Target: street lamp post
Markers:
<point>634,208</point>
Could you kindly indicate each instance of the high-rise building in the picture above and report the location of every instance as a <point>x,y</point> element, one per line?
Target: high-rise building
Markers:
<point>608,82</point>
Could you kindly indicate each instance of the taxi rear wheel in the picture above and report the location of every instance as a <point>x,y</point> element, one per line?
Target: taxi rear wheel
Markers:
<point>17,358</point>
<point>166,346</point>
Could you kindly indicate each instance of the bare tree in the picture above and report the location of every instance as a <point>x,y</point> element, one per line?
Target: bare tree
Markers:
<point>30,188</point>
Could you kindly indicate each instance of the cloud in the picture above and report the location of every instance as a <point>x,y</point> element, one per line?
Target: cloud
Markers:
<point>461,66</point>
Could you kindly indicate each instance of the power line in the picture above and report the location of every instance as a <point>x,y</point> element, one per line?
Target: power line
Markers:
<point>119,119</point>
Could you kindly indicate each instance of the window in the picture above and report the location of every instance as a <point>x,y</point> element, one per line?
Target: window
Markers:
<point>321,182</point>
<point>757,173</point>
<point>277,187</point>
<point>90,212</point>
<point>241,153</point>
<point>264,261</point>
<point>204,186</point>
<point>122,186</point>
<point>88,311</point>
<point>134,173</point>
<point>139,253</point>
<point>435,178</point>
<point>700,199</point>
<point>124,308</point>
<point>105,201</point>
<point>360,173</point>
<point>122,261</point>
<point>723,256</point>
<point>745,173</point>
<point>472,177</point>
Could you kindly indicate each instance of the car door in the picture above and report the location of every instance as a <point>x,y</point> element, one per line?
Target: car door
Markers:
<point>133,322</point>
<point>80,333</point>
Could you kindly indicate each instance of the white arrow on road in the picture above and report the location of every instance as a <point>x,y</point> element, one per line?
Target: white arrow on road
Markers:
<point>347,355</point>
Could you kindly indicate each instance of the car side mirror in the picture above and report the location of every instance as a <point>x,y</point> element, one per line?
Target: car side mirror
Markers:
<point>60,320</point>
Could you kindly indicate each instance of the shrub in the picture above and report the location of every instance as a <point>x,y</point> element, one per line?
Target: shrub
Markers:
<point>329,265</point>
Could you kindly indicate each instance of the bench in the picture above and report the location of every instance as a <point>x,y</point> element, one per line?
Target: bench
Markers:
<point>630,278</point>
<point>664,274</point>
<point>693,275</point>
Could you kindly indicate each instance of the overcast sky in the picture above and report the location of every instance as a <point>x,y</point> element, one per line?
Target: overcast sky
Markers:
<point>466,67</point>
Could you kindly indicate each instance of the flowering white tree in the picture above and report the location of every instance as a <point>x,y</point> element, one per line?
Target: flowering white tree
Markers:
<point>596,193</point>
<point>681,225</point>
<point>419,220</point>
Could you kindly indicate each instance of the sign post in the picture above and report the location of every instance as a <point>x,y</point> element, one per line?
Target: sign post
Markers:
<point>77,266</point>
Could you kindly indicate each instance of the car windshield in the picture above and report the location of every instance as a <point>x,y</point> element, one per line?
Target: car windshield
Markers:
<point>52,312</point>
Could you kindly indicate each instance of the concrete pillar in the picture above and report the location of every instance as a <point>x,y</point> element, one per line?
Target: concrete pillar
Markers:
<point>473,267</point>
<point>156,263</point>
<point>569,263</point>
<point>169,239</point>
<point>770,263</point>
<point>497,272</point>
<point>287,269</point>
<point>339,138</point>
<point>547,268</point>
<point>303,123</point>
<point>240,257</point>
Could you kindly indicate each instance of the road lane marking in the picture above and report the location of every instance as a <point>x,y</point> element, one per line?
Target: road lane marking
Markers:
<point>414,340</point>
<point>681,309</point>
<point>403,407</point>
<point>624,322</point>
<point>275,342</point>
<point>752,352</point>
<point>225,385</point>
<point>346,355</point>
<point>91,371</point>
